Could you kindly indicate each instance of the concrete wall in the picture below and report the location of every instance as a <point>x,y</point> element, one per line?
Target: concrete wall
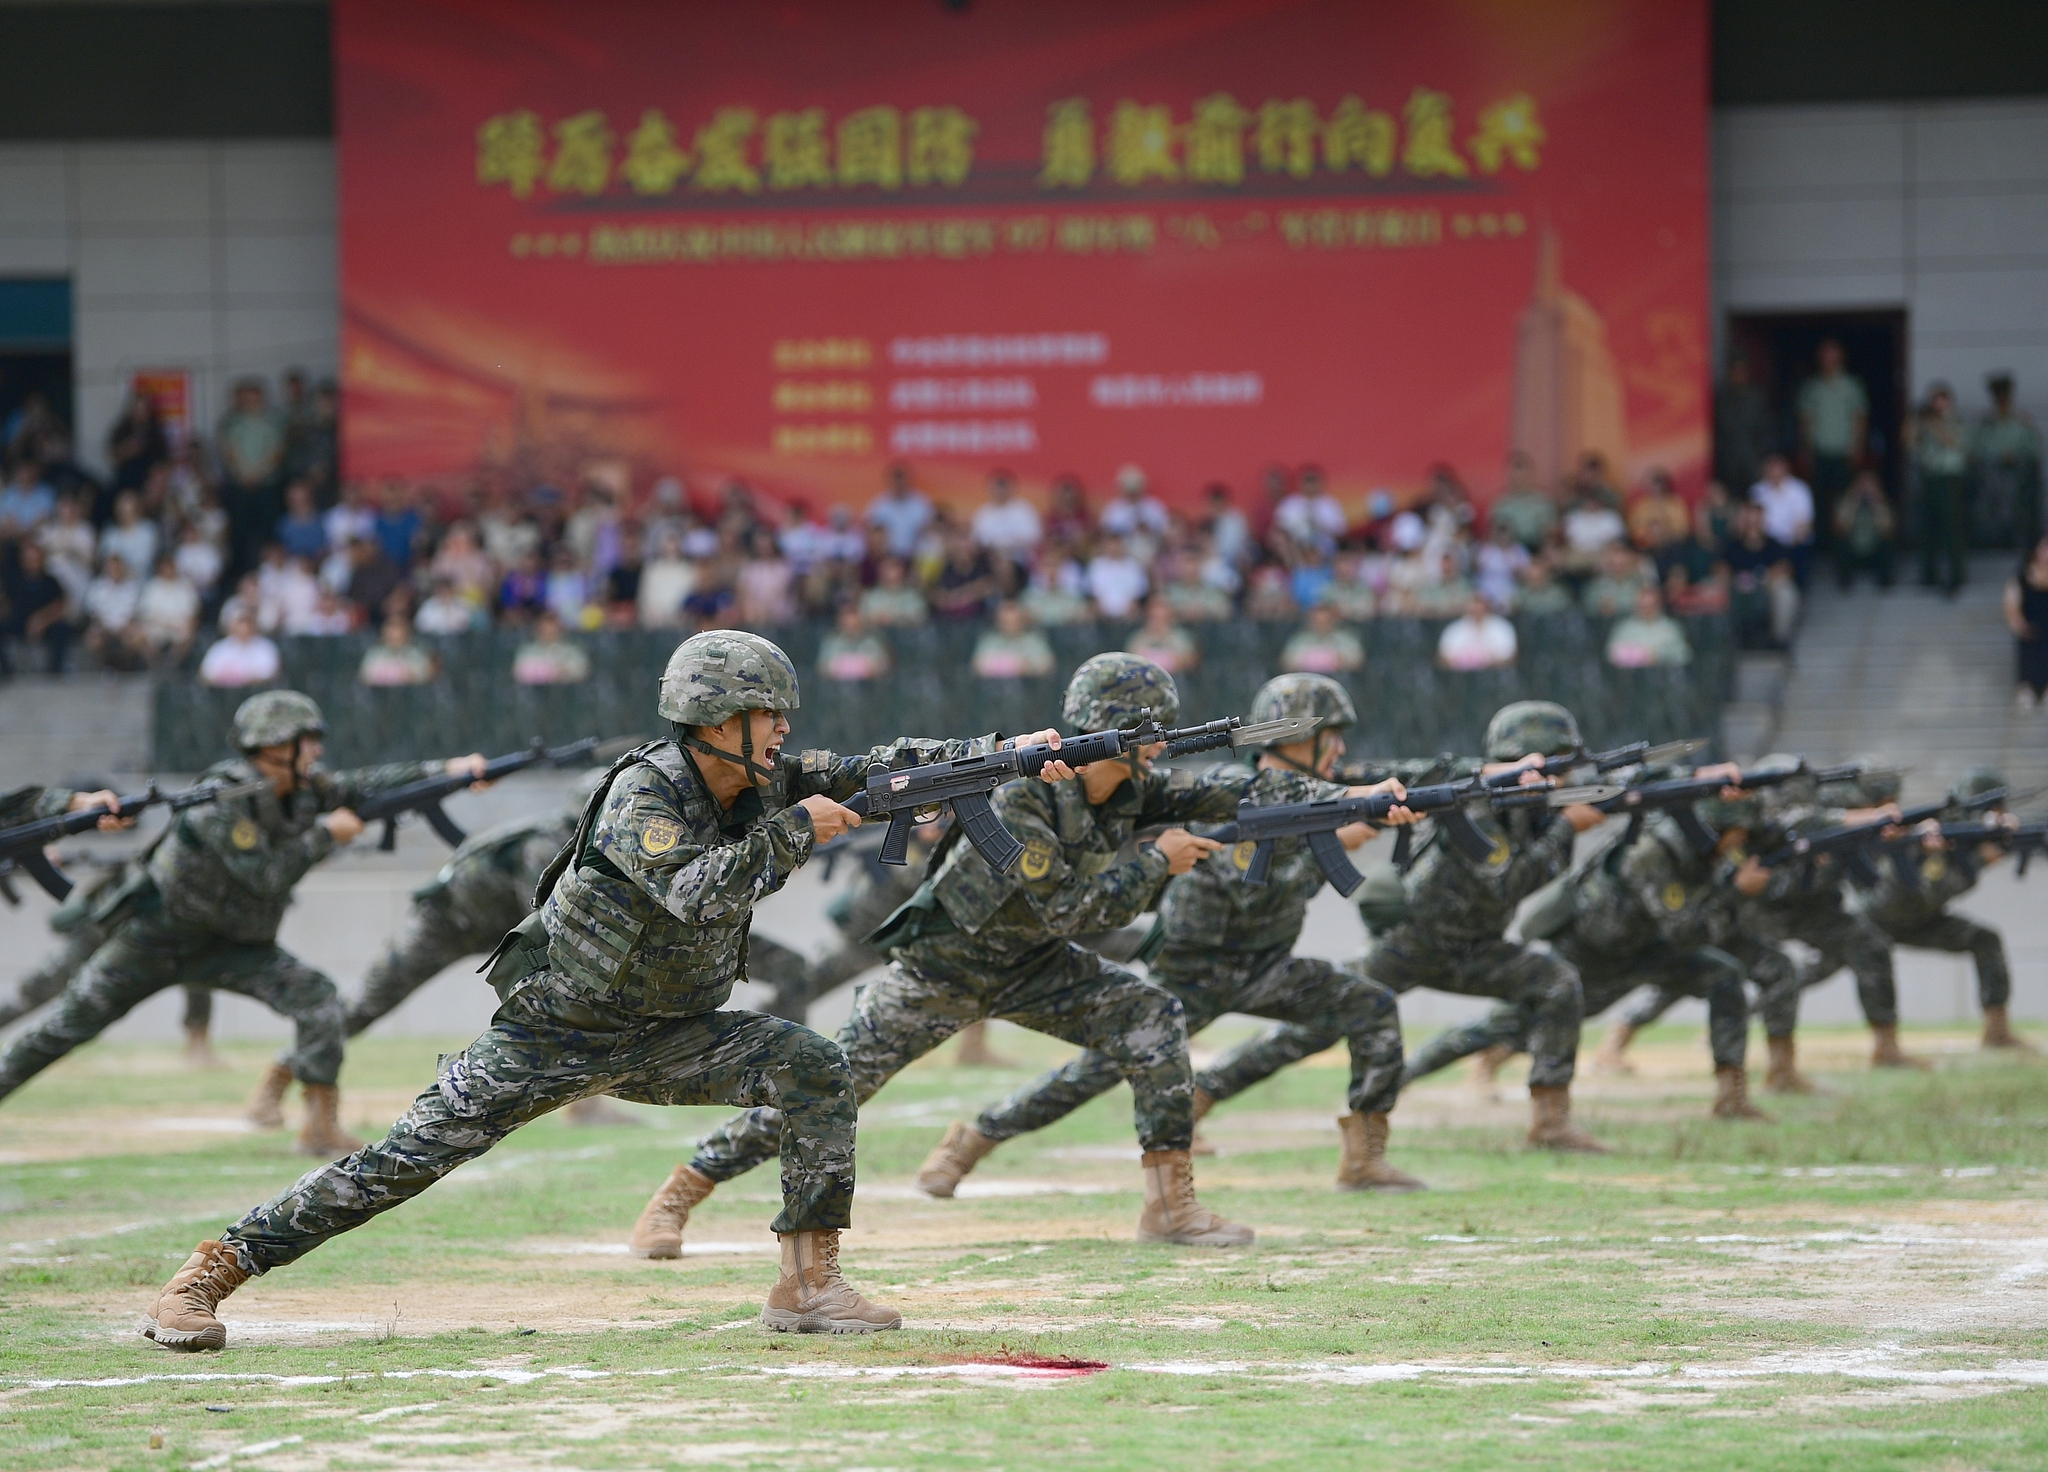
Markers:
<point>217,257</point>
<point>1939,207</point>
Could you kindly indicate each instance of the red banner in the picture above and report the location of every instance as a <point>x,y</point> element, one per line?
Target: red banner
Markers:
<point>794,242</point>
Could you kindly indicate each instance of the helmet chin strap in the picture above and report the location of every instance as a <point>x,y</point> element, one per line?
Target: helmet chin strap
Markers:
<point>761,775</point>
<point>1313,766</point>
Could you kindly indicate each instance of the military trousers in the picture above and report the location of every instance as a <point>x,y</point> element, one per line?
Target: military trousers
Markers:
<point>1323,1002</point>
<point>545,1049</point>
<point>1843,938</point>
<point>1957,934</point>
<point>1764,966</point>
<point>1541,988</point>
<point>942,983</point>
<point>149,952</point>
<point>54,974</point>
<point>437,934</point>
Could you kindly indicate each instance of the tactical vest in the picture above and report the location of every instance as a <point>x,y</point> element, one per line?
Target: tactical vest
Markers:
<point>607,934</point>
<point>971,892</point>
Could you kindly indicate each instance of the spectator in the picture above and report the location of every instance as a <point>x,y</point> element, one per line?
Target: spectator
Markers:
<point>1351,591</point>
<point>445,612</point>
<point>763,595</point>
<point>301,530</point>
<point>892,603</point>
<point>1324,647</point>
<point>372,577</point>
<point>1006,524</point>
<point>135,539</point>
<point>1648,636</point>
<point>1056,593</point>
<point>111,602</point>
<point>1864,530</point>
<point>2005,455</point>
<point>399,524</point>
<point>1310,576</point>
<point>1230,535</point>
<point>1788,512</point>
<point>1478,639</point>
<point>966,582</point>
<point>1659,516</point>
<point>593,532</point>
<point>1593,482</point>
<point>297,408</point>
<point>1449,506</point>
<point>349,518</point>
<point>1705,593</point>
<point>319,451</point>
<point>853,651</point>
<point>396,660</point>
<point>199,559</point>
<point>1499,566</point>
<point>1135,516</point>
<point>1012,649</point>
<point>1068,520</point>
<point>27,502</point>
<point>334,615</point>
<point>665,582</point>
<point>244,657</point>
<point>37,610</point>
<point>1269,594</point>
<point>460,561</point>
<point>901,511</point>
<point>2026,614</point>
<point>136,444</point>
<point>250,440</point>
<point>1540,596</point>
<point>1215,569</point>
<point>1446,595</point>
<point>1713,520</point>
<point>1742,425</point>
<point>167,613</point>
<point>1311,517</point>
<point>70,546</point>
<point>1186,593</point>
<point>1611,593</point>
<point>287,593</point>
<point>548,658</point>
<point>1527,510</point>
<point>1117,580</point>
<point>1763,593</point>
<point>569,590</point>
<point>1834,423</point>
<point>710,601</point>
<point>1591,526</point>
<point>1163,641</point>
<point>1940,443</point>
<point>523,591</point>
<point>621,591</point>
<point>192,491</point>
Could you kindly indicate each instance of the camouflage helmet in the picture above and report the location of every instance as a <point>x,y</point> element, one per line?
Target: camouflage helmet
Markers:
<point>715,675</point>
<point>1975,783</point>
<point>1745,812</point>
<point>1876,782</point>
<point>1113,692</point>
<point>1529,726</point>
<point>1303,696</point>
<point>273,717</point>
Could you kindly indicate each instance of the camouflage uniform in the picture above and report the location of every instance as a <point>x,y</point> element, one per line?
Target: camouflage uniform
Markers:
<point>32,804</point>
<point>974,944</point>
<point>1229,948</point>
<point>617,983</point>
<point>80,936</point>
<point>1917,915</point>
<point>876,891</point>
<point>204,910</point>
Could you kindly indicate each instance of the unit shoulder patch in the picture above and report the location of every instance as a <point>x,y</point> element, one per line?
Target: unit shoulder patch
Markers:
<point>1037,860</point>
<point>245,835</point>
<point>658,835</point>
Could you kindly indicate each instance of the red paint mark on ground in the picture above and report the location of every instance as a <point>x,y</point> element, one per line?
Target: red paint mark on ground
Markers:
<point>1057,1365</point>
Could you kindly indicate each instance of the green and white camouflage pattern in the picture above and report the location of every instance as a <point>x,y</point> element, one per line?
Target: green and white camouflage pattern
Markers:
<point>32,804</point>
<point>1304,696</point>
<point>717,674</point>
<point>273,717</point>
<point>1530,726</point>
<point>1113,692</point>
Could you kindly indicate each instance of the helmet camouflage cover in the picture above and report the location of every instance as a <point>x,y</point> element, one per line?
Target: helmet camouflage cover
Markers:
<point>715,675</point>
<point>273,717</point>
<point>1876,782</point>
<point>1303,696</point>
<point>1976,782</point>
<point>1113,692</point>
<point>1723,813</point>
<point>1529,726</point>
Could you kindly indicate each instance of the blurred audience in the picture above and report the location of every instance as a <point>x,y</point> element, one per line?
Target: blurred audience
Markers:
<point>244,657</point>
<point>1648,636</point>
<point>1864,532</point>
<point>1323,646</point>
<point>548,658</point>
<point>1478,639</point>
<point>1013,649</point>
<point>396,660</point>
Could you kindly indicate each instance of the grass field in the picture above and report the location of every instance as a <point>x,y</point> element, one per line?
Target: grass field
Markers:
<point>1862,1284</point>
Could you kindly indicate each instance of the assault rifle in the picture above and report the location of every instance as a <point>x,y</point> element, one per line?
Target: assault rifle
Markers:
<point>910,790</point>
<point>23,845</point>
<point>425,796</point>
<point>1263,824</point>
<point>1635,754</point>
<point>1853,841</point>
<point>1678,795</point>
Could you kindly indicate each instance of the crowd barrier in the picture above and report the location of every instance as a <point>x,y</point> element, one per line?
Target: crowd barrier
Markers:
<point>1406,705</point>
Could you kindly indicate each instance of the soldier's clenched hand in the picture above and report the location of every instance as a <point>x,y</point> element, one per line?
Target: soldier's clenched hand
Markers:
<point>1051,771</point>
<point>80,801</point>
<point>343,824</point>
<point>828,818</point>
<point>469,766</point>
<point>1752,877</point>
<point>1182,850</point>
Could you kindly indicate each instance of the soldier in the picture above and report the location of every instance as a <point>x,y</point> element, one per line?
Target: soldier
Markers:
<point>1229,948</point>
<point>972,943</point>
<point>204,903</point>
<point>1655,912</point>
<point>1917,914</point>
<point>1453,938</point>
<point>617,983</point>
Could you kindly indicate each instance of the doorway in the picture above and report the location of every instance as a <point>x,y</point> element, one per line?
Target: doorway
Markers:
<point>1782,348</point>
<point>35,346</point>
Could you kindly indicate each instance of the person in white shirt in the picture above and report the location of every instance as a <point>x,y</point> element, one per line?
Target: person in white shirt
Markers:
<point>1480,639</point>
<point>349,517</point>
<point>199,560</point>
<point>130,533</point>
<point>445,612</point>
<point>1311,516</point>
<point>666,579</point>
<point>244,657</point>
<point>1230,535</point>
<point>167,613</point>
<point>1117,581</point>
<point>1006,523</point>
<point>110,603</point>
<point>1788,512</point>
<point>70,547</point>
<point>901,512</point>
<point>293,595</point>
<point>1138,518</point>
<point>1498,566</point>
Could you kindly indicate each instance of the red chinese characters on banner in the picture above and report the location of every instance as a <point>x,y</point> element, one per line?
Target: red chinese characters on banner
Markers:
<point>794,243</point>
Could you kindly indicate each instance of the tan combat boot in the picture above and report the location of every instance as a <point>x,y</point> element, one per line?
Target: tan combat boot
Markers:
<point>1550,1124</point>
<point>1364,1166</point>
<point>182,1316</point>
<point>1613,1054</point>
<point>1204,1102</point>
<point>950,1161</point>
<point>1885,1051</point>
<point>199,1053</point>
<point>975,1051</point>
<point>266,1106</point>
<point>322,1136</point>
<point>1486,1066</point>
<point>812,1298</point>
<point>595,1110</point>
<point>1783,1075</point>
<point>659,1232</point>
<point>1998,1032</point>
<point>1731,1095</point>
<point>1172,1214</point>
